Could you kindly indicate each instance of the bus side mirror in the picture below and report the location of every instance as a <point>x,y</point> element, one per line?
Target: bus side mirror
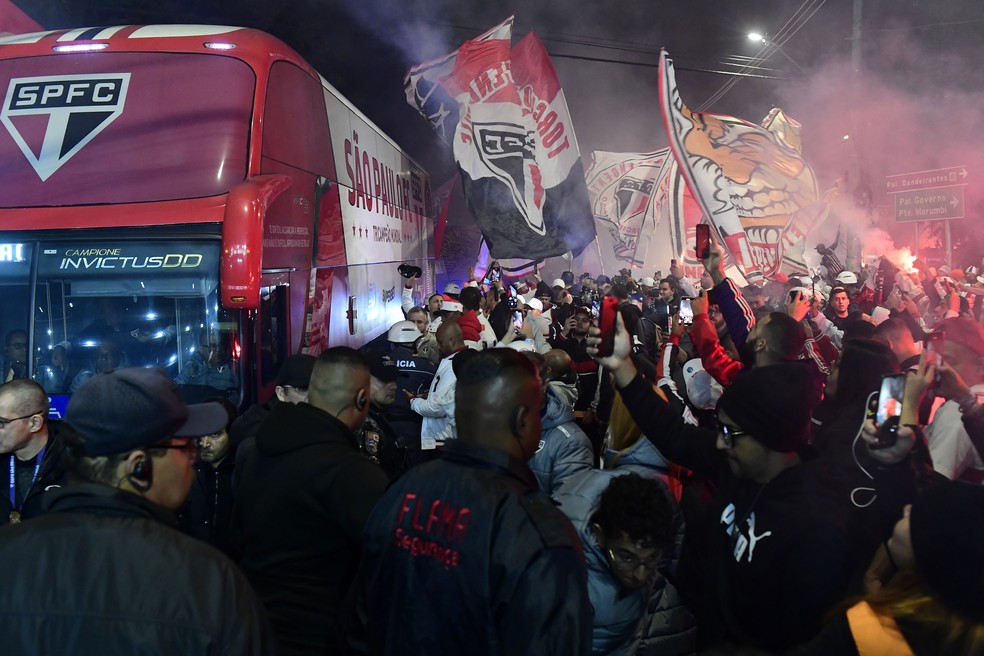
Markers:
<point>242,239</point>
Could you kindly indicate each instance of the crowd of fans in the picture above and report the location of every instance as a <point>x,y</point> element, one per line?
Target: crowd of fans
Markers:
<point>731,478</point>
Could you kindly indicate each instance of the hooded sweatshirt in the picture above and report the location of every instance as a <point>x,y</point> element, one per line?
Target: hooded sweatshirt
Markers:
<point>564,448</point>
<point>651,619</point>
<point>303,500</point>
<point>779,554</point>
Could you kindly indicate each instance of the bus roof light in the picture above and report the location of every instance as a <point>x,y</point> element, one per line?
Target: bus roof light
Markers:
<point>80,47</point>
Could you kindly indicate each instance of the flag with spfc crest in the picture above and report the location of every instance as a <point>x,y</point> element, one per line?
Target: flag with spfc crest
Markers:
<point>513,142</point>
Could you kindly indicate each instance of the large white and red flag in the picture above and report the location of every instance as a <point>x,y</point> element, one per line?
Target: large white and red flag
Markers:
<point>15,21</point>
<point>513,142</point>
<point>629,192</point>
<point>750,181</point>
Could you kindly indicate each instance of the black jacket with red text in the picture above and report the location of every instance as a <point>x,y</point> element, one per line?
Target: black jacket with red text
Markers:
<point>464,555</point>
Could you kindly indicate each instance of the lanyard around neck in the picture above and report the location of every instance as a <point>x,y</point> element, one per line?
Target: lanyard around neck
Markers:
<point>13,481</point>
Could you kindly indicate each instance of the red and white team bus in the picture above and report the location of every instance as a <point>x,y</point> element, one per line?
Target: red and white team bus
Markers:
<point>195,198</point>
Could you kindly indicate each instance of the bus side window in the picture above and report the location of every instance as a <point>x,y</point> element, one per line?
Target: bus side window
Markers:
<point>273,342</point>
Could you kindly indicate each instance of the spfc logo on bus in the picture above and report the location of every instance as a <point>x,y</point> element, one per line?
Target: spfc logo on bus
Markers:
<point>77,108</point>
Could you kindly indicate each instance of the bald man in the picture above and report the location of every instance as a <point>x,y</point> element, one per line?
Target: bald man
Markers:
<point>437,406</point>
<point>303,502</point>
<point>465,554</point>
<point>561,376</point>
<point>31,446</point>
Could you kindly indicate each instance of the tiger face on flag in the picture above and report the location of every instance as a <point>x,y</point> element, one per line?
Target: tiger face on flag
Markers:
<point>751,182</point>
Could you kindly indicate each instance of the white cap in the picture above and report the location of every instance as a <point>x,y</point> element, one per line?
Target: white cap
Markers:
<point>648,282</point>
<point>451,306</point>
<point>847,278</point>
<point>702,390</point>
<point>403,332</point>
<point>520,345</point>
<point>558,282</point>
<point>452,288</point>
<point>534,304</point>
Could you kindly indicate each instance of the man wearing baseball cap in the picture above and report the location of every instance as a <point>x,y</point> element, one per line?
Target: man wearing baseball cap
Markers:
<point>109,573</point>
<point>378,439</point>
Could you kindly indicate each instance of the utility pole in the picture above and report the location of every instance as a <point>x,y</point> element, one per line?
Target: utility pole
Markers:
<point>855,177</point>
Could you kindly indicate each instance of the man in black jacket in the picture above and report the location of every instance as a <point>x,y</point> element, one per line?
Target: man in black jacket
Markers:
<point>207,515</point>
<point>779,553</point>
<point>293,379</point>
<point>108,574</point>
<point>305,494</point>
<point>31,446</point>
<point>464,555</point>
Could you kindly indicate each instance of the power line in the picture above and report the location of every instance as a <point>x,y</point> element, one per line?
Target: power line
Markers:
<point>656,65</point>
<point>621,46</point>
<point>800,17</point>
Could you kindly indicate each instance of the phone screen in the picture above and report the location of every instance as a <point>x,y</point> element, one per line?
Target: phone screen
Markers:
<point>933,346</point>
<point>890,398</point>
<point>606,321</point>
<point>703,249</point>
<point>686,312</point>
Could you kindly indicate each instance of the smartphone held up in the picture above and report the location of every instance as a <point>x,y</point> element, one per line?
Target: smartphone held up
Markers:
<point>890,397</point>
<point>606,322</point>
<point>686,311</point>
<point>703,246</point>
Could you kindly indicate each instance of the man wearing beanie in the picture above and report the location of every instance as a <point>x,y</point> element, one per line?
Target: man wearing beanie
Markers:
<point>104,571</point>
<point>778,555</point>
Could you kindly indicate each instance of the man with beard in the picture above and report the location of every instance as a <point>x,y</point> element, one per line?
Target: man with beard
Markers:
<point>377,437</point>
<point>666,304</point>
<point>103,571</point>
<point>207,515</point>
<point>770,513</point>
<point>436,406</point>
<point>776,338</point>
<point>573,341</point>
<point>15,356</point>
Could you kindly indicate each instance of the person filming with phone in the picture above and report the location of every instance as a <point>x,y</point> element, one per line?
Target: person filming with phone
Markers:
<point>953,453</point>
<point>770,512</point>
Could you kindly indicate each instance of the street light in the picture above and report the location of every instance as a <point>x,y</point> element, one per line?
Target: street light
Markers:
<point>764,40</point>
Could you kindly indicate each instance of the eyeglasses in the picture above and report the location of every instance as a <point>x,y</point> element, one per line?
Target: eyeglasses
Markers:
<point>4,422</point>
<point>624,563</point>
<point>302,390</point>
<point>728,434</point>
<point>192,449</point>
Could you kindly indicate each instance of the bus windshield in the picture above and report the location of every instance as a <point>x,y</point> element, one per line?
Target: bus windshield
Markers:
<point>106,128</point>
<point>118,304</point>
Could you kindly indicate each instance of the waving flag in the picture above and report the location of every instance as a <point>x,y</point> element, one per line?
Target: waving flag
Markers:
<point>15,21</point>
<point>751,182</point>
<point>513,141</point>
<point>629,194</point>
